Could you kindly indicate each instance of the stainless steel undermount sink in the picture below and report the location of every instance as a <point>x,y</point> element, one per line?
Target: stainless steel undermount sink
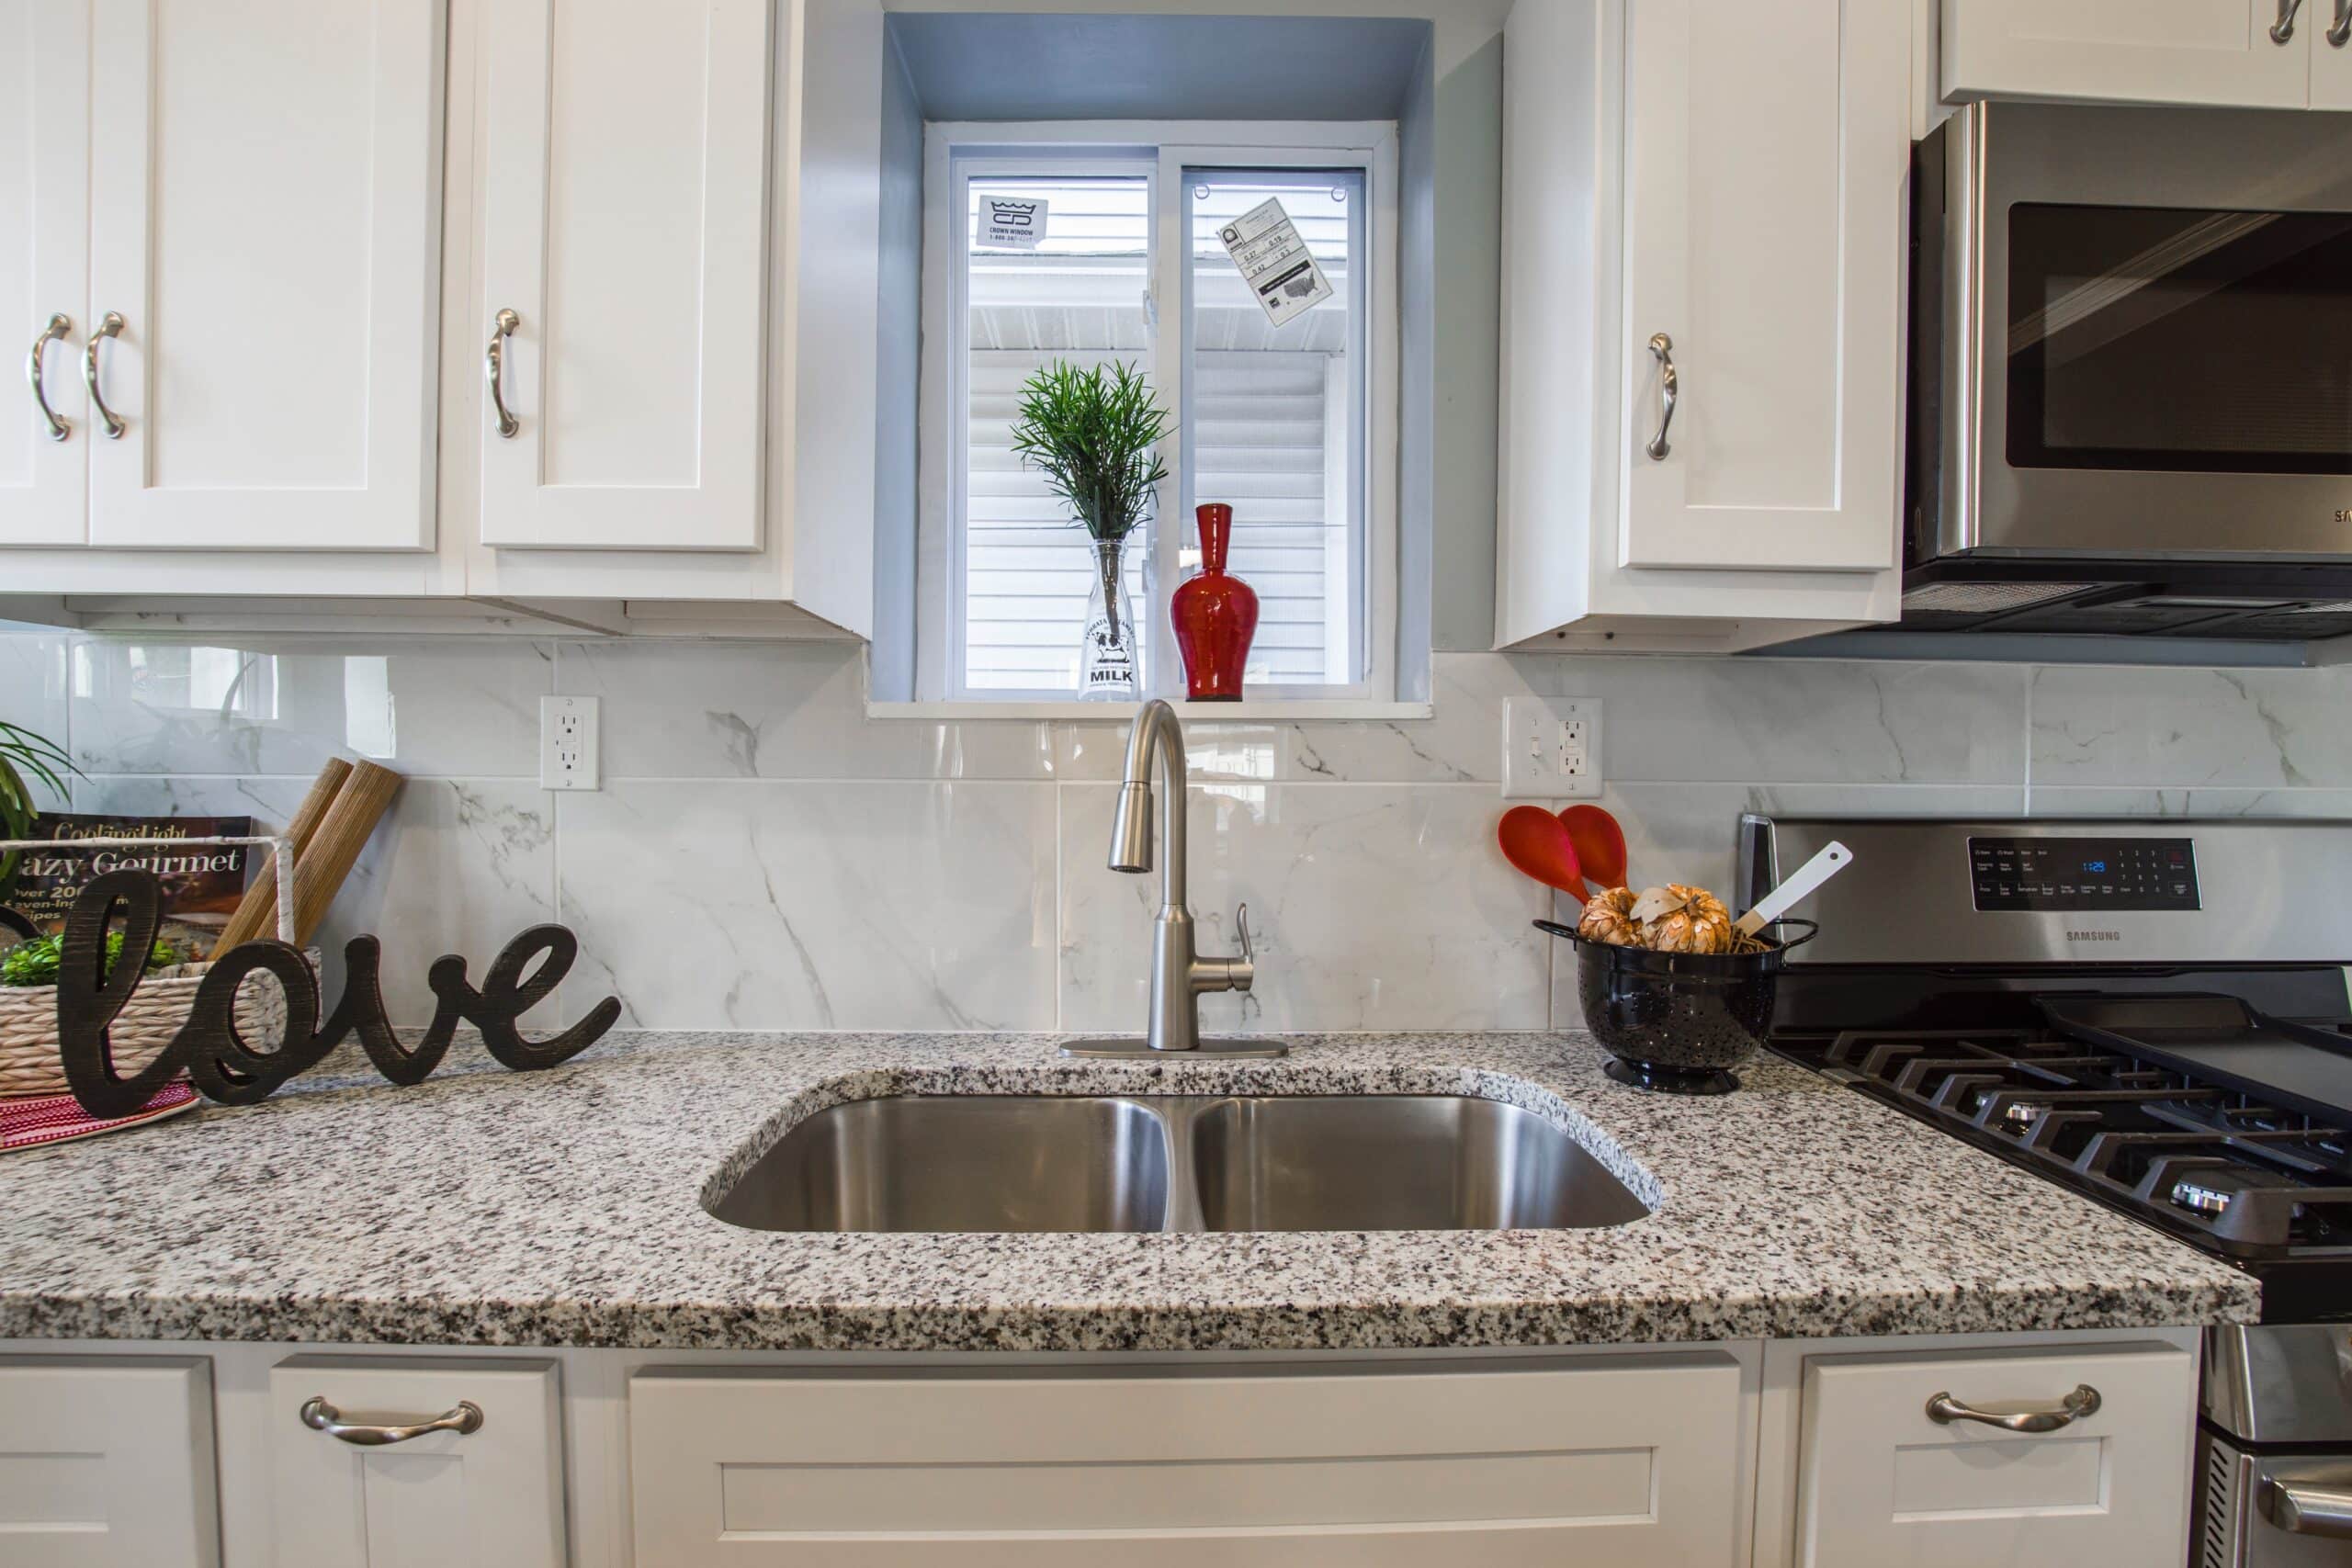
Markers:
<point>1176,1163</point>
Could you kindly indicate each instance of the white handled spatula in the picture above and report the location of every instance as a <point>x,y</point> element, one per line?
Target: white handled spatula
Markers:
<point>1836,858</point>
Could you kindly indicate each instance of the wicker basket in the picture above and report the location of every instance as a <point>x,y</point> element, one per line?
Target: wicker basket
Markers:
<point>28,1059</point>
<point>30,1064</point>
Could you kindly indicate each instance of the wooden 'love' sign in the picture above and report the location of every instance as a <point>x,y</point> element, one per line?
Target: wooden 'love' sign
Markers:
<point>225,1067</point>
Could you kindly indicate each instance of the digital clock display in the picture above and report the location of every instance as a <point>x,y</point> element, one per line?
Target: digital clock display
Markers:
<point>2116,874</point>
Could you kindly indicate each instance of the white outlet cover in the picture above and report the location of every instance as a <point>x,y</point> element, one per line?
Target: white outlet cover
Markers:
<point>568,743</point>
<point>1542,759</point>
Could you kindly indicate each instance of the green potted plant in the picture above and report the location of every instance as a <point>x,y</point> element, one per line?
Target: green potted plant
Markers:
<point>22,752</point>
<point>1095,435</point>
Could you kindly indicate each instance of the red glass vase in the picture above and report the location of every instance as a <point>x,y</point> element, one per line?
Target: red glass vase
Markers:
<point>1215,616</point>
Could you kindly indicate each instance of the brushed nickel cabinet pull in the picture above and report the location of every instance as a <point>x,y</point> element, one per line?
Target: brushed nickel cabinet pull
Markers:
<point>494,365</point>
<point>53,331</point>
<point>320,1417</point>
<point>1669,388</point>
<point>1943,1410</point>
<point>2283,29</point>
<point>109,327</point>
<point>2341,32</point>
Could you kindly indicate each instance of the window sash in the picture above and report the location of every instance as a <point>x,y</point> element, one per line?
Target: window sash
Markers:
<point>1349,465</point>
<point>955,154</point>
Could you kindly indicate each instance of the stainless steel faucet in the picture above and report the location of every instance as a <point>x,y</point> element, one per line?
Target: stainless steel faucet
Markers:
<point>1179,974</point>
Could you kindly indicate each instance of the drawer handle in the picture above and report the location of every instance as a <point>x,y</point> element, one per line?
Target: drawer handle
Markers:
<point>2340,33</point>
<point>320,1417</point>
<point>1943,1410</point>
<point>110,327</point>
<point>2283,29</point>
<point>494,366</point>
<point>2308,1510</point>
<point>1669,388</point>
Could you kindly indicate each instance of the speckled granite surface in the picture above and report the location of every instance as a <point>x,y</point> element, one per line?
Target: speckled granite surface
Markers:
<point>565,1208</point>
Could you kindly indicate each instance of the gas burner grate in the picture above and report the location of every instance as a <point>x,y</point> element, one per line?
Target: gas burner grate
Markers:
<point>2208,1161</point>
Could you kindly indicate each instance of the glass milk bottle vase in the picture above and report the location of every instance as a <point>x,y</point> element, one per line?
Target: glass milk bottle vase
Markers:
<point>1110,667</point>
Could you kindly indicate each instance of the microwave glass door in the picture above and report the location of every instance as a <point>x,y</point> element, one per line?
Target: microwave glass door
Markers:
<point>2180,341</point>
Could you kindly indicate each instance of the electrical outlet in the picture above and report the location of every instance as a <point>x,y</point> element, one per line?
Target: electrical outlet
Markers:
<point>568,743</point>
<point>1552,749</point>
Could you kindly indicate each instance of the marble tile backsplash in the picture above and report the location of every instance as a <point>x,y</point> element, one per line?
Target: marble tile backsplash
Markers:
<point>765,856</point>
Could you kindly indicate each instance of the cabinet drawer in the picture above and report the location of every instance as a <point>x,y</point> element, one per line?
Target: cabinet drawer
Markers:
<point>1630,1461</point>
<point>1881,1482</point>
<point>107,1462</point>
<point>488,1498</point>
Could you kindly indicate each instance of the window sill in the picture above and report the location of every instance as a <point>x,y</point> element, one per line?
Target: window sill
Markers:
<point>1261,711</point>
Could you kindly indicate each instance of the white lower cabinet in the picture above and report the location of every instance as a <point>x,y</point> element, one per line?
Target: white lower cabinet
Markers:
<point>1745,1454</point>
<point>1630,1459</point>
<point>492,1498</point>
<point>1881,1482</point>
<point>107,1462</point>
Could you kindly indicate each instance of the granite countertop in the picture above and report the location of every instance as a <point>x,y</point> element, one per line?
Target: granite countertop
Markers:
<point>565,1208</point>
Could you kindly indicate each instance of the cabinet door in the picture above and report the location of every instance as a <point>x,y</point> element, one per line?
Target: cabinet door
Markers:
<point>1625,1462</point>
<point>2331,66</point>
<point>2157,51</point>
<point>1881,1482</point>
<point>107,1462</point>
<point>625,188</point>
<point>488,1498</point>
<point>44,180</point>
<point>1766,152</point>
<point>265,208</point>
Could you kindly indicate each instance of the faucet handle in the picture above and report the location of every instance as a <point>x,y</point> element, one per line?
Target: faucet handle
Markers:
<point>1241,928</point>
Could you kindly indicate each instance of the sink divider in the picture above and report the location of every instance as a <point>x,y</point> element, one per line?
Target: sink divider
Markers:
<point>1177,1115</point>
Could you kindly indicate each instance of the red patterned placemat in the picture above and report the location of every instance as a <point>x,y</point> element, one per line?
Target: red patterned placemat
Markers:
<point>59,1118</point>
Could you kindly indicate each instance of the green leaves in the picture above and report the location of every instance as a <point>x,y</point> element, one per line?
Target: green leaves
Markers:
<point>1094,434</point>
<point>34,962</point>
<point>21,752</point>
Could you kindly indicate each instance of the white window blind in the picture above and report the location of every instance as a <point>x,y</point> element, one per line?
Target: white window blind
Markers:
<point>1263,421</point>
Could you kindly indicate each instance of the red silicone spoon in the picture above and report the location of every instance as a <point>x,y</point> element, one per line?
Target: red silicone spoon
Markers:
<point>1600,843</point>
<point>1537,844</point>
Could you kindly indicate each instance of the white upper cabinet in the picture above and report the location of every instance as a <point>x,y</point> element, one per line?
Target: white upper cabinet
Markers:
<point>2257,53</point>
<point>44,160</point>
<point>1703,250</point>
<point>265,261</point>
<point>2330,47</point>
<point>626,163</point>
<point>1766,154</point>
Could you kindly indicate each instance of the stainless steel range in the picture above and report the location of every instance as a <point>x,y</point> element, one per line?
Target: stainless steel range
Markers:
<point>2156,1015</point>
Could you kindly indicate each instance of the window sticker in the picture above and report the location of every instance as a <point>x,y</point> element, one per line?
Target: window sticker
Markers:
<point>1274,262</point>
<point>1011,223</point>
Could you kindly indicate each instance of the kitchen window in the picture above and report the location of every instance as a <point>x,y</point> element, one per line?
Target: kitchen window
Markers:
<point>1293,426</point>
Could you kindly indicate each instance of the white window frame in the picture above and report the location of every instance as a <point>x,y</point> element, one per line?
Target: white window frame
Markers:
<point>1160,150</point>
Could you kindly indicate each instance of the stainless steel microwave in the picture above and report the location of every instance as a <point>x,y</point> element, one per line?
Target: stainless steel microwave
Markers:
<point>2131,374</point>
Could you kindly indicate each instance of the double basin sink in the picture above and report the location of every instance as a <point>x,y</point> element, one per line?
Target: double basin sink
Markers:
<point>998,1163</point>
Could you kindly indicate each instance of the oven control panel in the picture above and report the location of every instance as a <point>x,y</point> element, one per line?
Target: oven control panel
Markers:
<point>2083,873</point>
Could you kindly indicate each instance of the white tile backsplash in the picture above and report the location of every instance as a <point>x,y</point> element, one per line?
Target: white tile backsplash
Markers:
<point>820,904</point>
<point>429,708</point>
<point>763,855</point>
<point>1372,907</point>
<point>32,690</point>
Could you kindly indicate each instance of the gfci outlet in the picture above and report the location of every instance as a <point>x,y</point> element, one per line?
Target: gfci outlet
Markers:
<point>568,743</point>
<point>1552,749</point>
